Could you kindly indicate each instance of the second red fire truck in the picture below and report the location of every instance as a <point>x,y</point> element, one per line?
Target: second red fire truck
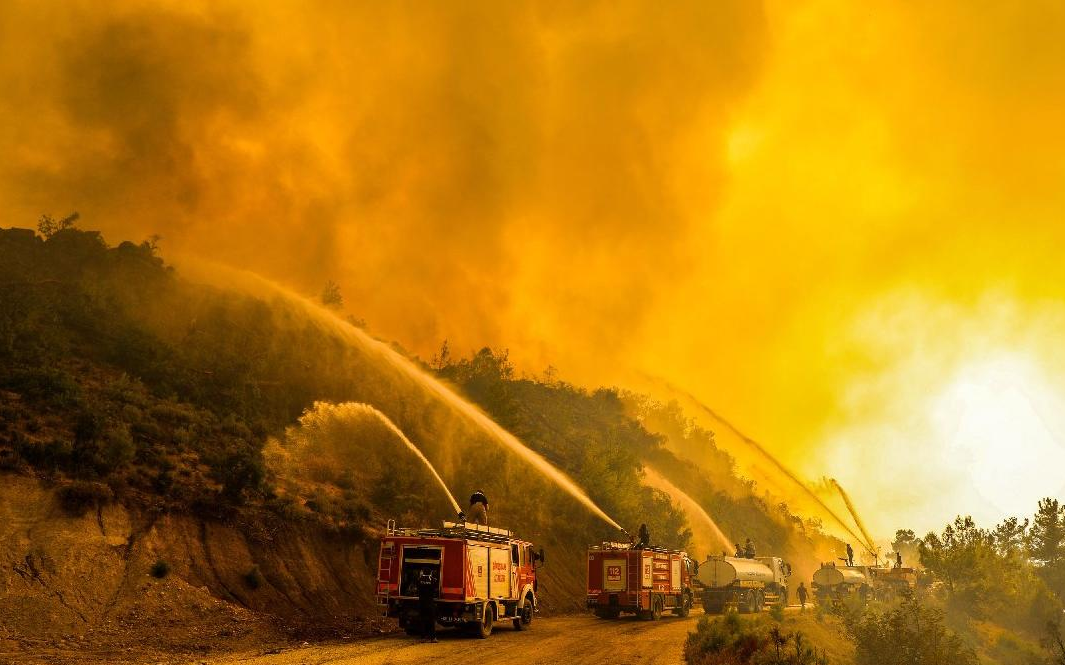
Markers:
<point>646,581</point>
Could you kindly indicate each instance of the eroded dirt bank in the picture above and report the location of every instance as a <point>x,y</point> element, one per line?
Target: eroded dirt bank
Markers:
<point>72,583</point>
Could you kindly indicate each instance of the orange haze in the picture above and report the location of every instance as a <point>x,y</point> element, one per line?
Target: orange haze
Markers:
<point>838,223</point>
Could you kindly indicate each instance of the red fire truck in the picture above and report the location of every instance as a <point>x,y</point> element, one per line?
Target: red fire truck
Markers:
<point>645,581</point>
<point>485,575</point>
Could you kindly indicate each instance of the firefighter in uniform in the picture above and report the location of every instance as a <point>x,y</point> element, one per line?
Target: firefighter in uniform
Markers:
<point>478,512</point>
<point>739,551</point>
<point>748,549</point>
<point>850,555</point>
<point>898,559</point>
<point>427,604</point>
<point>802,593</point>
<point>644,536</point>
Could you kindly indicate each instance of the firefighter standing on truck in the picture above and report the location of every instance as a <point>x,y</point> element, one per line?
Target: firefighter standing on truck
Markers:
<point>478,512</point>
<point>644,536</point>
<point>427,604</point>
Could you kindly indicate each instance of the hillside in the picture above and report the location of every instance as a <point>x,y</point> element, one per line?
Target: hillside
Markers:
<point>149,419</point>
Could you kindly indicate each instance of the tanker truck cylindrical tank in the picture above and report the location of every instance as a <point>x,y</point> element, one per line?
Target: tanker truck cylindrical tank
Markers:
<point>720,572</point>
<point>830,576</point>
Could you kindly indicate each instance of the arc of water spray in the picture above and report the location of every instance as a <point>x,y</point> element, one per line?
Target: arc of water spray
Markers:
<point>691,506</point>
<point>387,422</point>
<point>435,387</point>
<point>767,455</point>
<point>479,418</point>
<point>854,513</point>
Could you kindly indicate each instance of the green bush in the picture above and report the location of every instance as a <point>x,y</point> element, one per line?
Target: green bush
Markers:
<point>732,640</point>
<point>49,385</point>
<point>241,473</point>
<point>80,496</point>
<point>913,633</point>
<point>50,455</point>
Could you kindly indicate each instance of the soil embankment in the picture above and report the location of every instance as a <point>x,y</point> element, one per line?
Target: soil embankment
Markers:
<point>115,579</point>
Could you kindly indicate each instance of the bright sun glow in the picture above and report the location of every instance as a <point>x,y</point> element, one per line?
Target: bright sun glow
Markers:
<point>1003,421</point>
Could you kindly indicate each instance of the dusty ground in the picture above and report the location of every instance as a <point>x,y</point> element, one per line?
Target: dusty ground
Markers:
<point>577,639</point>
<point>580,640</point>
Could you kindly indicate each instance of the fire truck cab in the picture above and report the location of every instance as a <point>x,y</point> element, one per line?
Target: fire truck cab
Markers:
<point>485,575</point>
<point>645,581</point>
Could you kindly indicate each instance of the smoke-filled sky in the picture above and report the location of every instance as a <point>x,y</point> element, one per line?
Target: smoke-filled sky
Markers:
<point>839,223</point>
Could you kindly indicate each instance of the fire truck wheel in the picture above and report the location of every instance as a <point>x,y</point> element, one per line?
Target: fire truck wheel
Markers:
<point>656,609</point>
<point>685,606</point>
<point>525,615</point>
<point>484,629</point>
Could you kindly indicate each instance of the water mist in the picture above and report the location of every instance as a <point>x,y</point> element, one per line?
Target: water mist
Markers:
<point>694,510</point>
<point>256,284</point>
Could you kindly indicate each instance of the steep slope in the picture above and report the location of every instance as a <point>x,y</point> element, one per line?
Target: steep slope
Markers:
<point>133,394</point>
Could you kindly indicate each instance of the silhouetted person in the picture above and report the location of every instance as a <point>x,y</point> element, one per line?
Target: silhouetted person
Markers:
<point>898,559</point>
<point>427,589</point>
<point>739,551</point>
<point>863,592</point>
<point>850,555</point>
<point>478,512</point>
<point>644,538</point>
<point>748,549</point>
<point>802,593</point>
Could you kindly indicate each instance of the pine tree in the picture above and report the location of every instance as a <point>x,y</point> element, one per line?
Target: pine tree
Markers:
<point>331,297</point>
<point>1046,542</point>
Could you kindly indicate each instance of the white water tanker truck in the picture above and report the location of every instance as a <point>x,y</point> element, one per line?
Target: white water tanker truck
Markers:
<point>834,583</point>
<point>746,584</point>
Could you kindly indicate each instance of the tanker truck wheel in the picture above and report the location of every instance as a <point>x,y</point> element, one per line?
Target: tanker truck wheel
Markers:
<point>525,615</point>
<point>745,603</point>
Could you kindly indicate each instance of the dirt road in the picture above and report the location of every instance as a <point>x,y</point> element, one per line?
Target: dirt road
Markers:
<point>576,640</point>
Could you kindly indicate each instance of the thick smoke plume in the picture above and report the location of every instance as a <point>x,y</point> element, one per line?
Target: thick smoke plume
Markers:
<point>815,215</point>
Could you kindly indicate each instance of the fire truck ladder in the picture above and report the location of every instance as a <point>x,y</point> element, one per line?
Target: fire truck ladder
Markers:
<point>384,567</point>
<point>634,577</point>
